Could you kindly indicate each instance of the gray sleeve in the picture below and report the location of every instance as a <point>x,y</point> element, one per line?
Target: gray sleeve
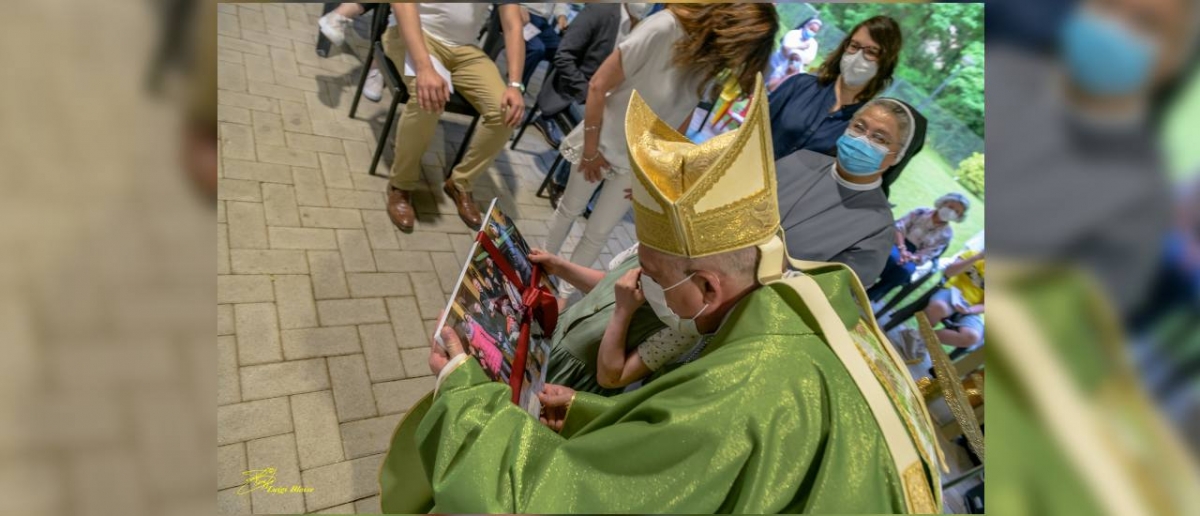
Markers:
<point>868,257</point>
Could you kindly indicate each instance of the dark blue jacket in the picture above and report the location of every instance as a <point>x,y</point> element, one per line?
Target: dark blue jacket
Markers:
<point>800,117</point>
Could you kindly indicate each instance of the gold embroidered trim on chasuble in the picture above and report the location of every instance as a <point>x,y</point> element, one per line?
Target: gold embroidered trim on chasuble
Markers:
<point>916,489</point>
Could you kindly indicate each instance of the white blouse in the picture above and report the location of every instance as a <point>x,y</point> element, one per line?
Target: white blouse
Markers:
<point>646,57</point>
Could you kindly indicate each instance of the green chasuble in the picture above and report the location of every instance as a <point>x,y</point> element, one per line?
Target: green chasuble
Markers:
<point>1080,435</point>
<point>766,419</point>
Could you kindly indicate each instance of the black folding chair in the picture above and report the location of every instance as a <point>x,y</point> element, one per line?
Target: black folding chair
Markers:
<point>905,312</point>
<point>912,286</point>
<point>400,95</point>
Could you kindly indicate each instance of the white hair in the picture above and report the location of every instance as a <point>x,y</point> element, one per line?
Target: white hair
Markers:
<point>955,197</point>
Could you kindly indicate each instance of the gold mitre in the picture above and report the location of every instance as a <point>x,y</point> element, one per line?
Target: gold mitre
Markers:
<point>697,200</point>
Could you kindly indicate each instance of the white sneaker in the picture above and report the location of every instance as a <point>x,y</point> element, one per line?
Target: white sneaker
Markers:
<point>373,90</point>
<point>333,26</point>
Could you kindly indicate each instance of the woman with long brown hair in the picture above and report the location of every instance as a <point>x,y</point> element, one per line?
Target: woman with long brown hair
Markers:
<point>673,59</point>
<point>810,111</point>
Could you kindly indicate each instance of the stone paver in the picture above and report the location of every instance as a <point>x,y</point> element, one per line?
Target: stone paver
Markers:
<point>399,396</point>
<point>351,387</point>
<point>277,452</point>
<point>231,462</point>
<point>228,385</point>
<point>320,342</point>
<point>338,312</point>
<point>318,439</point>
<point>244,289</point>
<point>324,308</point>
<point>342,482</point>
<point>284,378</point>
<point>294,298</point>
<point>251,420</point>
<point>258,333</point>
<point>380,352</point>
<point>382,284</point>
<point>368,436</point>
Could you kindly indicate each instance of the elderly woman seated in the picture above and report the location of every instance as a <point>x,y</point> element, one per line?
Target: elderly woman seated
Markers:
<point>921,236</point>
<point>836,209</point>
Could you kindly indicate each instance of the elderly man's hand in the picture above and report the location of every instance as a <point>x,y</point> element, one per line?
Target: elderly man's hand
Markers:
<point>439,355</point>
<point>555,399</point>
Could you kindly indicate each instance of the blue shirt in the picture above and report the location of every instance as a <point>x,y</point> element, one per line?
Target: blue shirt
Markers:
<point>800,117</point>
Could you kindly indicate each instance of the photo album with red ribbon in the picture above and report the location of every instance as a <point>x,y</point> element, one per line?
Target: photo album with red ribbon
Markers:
<point>504,310</point>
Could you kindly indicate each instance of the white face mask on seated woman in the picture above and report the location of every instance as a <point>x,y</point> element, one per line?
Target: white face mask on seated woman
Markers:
<point>856,69</point>
<point>947,214</point>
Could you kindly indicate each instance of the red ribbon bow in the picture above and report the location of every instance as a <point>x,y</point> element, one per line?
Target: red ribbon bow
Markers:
<point>539,304</point>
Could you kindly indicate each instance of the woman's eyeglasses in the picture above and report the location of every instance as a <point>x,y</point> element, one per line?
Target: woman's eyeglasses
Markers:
<point>872,53</point>
<point>859,129</point>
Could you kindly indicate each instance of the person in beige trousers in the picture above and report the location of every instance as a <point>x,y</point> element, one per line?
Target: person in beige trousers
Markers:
<point>447,33</point>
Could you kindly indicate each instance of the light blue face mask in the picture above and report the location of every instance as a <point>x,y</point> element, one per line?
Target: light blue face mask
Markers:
<point>859,156</point>
<point>1103,56</point>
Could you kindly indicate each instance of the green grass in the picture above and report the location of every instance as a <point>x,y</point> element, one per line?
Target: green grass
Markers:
<point>928,177</point>
<point>1182,152</point>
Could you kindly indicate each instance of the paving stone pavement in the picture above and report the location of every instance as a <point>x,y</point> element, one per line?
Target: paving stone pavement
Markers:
<point>323,306</point>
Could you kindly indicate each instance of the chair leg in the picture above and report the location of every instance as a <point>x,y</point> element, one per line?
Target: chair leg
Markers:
<point>904,313</point>
<point>323,43</point>
<point>528,120</point>
<point>904,292</point>
<point>384,133</point>
<point>587,213</point>
<point>362,80</point>
<point>549,177</point>
<point>462,148</point>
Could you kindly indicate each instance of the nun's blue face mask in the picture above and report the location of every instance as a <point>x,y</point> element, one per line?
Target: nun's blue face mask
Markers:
<point>863,148</point>
<point>1104,56</point>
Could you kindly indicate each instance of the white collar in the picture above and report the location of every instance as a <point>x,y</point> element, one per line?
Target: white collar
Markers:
<point>854,186</point>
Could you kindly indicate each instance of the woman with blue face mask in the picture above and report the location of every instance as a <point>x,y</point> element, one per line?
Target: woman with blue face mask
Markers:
<point>836,209</point>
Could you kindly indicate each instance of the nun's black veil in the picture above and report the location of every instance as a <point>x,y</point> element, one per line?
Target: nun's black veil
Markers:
<point>920,124</point>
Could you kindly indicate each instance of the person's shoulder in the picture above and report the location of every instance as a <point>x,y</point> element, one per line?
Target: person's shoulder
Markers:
<point>804,158</point>
<point>662,20</point>
<point>921,212</point>
<point>799,82</point>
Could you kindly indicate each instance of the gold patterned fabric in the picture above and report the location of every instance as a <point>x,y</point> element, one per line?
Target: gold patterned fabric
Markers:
<point>700,199</point>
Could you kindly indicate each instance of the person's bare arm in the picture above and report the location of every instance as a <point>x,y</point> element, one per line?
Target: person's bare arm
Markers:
<point>580,277</point>
<point>432,90</point>
<point>615,368</point>
<point>958,267</point>
<point>610,75</point>
<point>513,101</point>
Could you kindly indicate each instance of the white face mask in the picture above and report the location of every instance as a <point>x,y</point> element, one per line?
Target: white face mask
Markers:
<point>656,297</point>
<point>947,214</point>
<point>637,10</point>
<point>856,70</point>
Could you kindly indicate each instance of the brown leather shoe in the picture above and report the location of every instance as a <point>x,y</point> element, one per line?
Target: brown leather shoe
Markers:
<point>467,211</point>
<point>400,209</point>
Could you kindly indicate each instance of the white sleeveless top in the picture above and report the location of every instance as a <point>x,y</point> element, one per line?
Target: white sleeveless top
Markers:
<point>646,56</point>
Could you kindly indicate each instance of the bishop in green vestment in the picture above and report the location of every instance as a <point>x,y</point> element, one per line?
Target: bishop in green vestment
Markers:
<point>793,402</point>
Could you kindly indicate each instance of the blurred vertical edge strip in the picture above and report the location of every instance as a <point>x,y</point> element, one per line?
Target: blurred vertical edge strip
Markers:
<point>107,368</point>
